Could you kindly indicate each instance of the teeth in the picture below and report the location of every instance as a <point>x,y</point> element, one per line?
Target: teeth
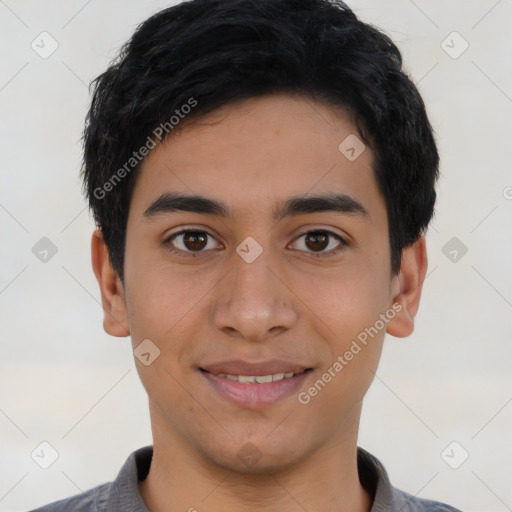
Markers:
<point>263,378</point>
<point>246,378</point>
<point>259,379</point>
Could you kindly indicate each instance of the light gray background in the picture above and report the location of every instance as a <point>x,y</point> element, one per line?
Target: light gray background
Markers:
<point>64,381</point>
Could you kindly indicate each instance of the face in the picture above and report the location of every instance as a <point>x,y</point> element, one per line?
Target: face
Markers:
<point>257,279</point>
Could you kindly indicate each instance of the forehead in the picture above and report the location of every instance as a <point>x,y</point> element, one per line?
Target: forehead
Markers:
<point>254,153</point>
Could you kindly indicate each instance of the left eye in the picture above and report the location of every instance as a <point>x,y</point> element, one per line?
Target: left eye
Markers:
<point>320,242</point>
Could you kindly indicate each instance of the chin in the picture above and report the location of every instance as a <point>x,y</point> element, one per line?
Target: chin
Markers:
<point>256,456</point>
<point>262,466</point>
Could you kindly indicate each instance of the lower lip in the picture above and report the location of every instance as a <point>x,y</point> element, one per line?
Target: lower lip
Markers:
<point>255,396</point>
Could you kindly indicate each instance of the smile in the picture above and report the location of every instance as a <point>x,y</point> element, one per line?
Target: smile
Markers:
<point>256,391</point>
<point>257,379</point>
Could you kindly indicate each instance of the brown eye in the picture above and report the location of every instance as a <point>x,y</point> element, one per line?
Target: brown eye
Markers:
<point>317,241</point>
<point>320,243</point>
<point>190,241</point>
<point>195,241</point>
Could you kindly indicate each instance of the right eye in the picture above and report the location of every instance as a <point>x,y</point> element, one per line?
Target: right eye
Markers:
<point>189,241</point>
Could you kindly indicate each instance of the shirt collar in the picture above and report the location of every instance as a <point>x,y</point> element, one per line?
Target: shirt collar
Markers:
<point>124,495</point>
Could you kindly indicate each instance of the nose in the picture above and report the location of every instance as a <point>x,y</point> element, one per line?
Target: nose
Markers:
<point>254,301</point>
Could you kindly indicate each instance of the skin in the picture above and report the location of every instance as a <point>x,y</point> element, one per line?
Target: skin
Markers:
<point>288,304</point>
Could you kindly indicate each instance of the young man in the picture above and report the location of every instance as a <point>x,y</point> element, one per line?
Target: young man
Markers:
<point>261,174</point>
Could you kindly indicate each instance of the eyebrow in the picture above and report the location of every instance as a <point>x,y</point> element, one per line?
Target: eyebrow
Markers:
<point>173,202</point>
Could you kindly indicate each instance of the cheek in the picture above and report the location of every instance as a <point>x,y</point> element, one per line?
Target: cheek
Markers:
<point>345,301</point>
<point>158,296</point>
<point>358,301</point>
<point>348,305</point>
<point>166,305</point>
<point>349,321</point>
<point>161,311</point>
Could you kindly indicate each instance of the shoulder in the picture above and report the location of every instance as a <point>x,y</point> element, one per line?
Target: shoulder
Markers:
<point>121,495</point>
<point>410,503</point>
<point>93,500</point>
<point>386,497</point>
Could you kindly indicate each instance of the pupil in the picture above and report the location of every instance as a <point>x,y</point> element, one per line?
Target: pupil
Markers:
<point>319,241</point>
<point>195,241</point>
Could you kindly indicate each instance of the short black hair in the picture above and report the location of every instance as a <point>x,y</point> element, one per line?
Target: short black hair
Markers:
<point>200,55</point>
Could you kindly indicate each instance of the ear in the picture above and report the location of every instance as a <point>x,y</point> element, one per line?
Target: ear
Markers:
<point>406,288</point>
<point>115,317</point>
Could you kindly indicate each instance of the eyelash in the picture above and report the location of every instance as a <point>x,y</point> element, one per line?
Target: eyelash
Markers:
<point>330,234</point>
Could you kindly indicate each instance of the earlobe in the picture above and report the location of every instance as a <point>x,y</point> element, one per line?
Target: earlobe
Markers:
<point>115,316</point>
<point>406,288</point>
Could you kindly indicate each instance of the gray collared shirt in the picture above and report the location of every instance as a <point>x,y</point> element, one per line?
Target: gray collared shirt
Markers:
<point>122,495</point>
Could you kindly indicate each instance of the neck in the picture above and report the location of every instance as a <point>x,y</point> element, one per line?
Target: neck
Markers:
<point>182,479</point>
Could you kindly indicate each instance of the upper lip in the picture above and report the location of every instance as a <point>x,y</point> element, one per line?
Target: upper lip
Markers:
<point>268,367</point>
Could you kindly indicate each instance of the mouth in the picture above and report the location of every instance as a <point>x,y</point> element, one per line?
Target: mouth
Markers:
<point>257,388</point>
<point>258,379</point>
